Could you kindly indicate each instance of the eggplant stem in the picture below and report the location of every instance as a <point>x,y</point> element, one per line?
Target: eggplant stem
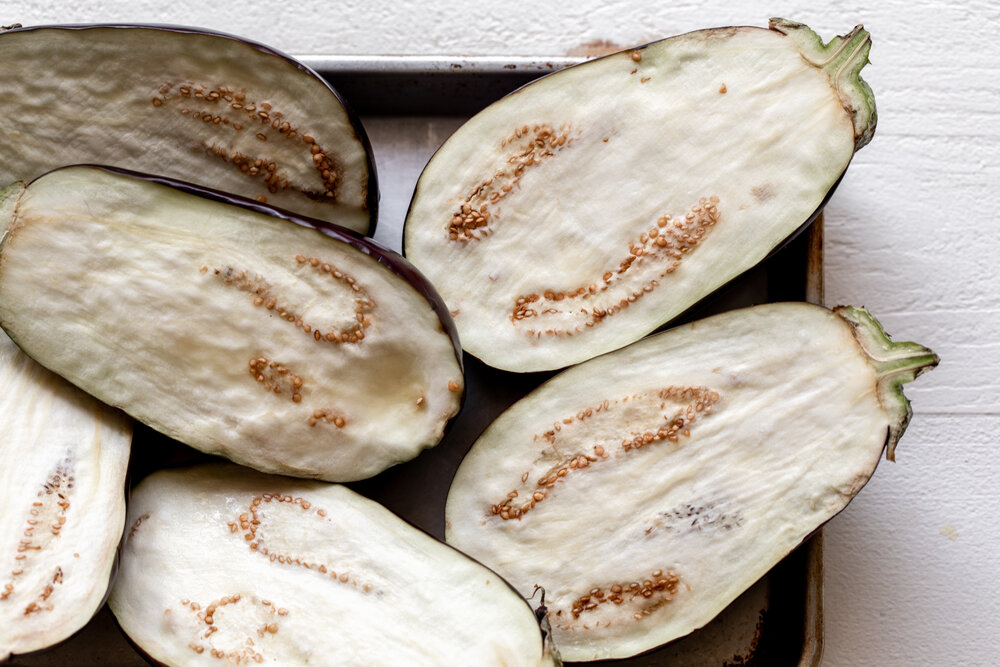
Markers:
<point>916,362</point>
<point>850,58</point>
<point>842,59</point>
<point>895,363</point>
<point>840,49</point>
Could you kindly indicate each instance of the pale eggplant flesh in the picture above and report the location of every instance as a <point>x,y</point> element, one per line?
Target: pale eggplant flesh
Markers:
<point>62,503</point>
<point>307,351</point>
<point>588,208</point>
<point>646,489</point>
<point>187,103</point>
<point>225,563</point>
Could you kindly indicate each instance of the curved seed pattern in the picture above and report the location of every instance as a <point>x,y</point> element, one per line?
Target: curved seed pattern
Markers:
<point>328,417</point>
<point>646,596</point>
<point>251,523</point>
<point>45,521</point>
<point>224,110</point>
<point>525,148</point>
<point>657,253</point>
<point>263,297</point>
<point>697,402</point>
<point>232,645</point>
<point>276,377</point>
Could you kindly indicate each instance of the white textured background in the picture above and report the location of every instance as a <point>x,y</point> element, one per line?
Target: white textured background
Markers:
<point>912,564</point>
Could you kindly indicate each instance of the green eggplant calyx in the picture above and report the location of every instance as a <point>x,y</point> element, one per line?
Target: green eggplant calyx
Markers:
<point>895,364</point>
<point>842,58</point>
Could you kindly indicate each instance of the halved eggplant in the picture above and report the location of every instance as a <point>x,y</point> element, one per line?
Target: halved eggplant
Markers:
<point>646,489</point>
<point>224,563</point>
<point>311,352</point>
<point>586,209</point>
<point>186,103</point>
<point>62,503</point>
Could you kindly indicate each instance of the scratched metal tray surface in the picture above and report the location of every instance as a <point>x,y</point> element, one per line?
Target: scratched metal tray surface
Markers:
<point>409,106</point>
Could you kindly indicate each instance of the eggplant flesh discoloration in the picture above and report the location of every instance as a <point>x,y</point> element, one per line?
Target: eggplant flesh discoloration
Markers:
<point>189,104</point>
<point>62,494</point>
<point>226,563</point>
<point>242,334</point>
<point>647,488</point>
<point>591,206</point>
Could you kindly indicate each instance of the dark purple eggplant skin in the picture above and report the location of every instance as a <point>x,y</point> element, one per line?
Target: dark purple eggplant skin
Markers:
<point>372,192</point>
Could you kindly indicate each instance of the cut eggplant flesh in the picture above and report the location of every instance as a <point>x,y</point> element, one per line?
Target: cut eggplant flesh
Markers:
<point>224,563</point>
<point>239,333</point>
<point>185,103</point>
<point>62,503</point>
<point>646,489</point>
<point>586,209</point>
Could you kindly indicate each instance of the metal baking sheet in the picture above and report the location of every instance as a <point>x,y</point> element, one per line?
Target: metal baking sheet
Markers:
<point>409,106</point>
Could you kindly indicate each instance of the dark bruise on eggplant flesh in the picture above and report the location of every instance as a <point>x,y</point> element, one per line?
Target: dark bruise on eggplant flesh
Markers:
<point>239,333</point>
<point>184,103</point>
<point>586,209</point>
<point>224,564</point>
<point>62,492</point>
<point>646,489</point>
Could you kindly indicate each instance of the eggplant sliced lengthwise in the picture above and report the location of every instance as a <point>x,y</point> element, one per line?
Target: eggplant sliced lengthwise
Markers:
<point>646,489</point>
<point>186,103</point>
<point>62,503</point>
<point>224,563</point>
<point>307,351</point>
<point>584,210</point>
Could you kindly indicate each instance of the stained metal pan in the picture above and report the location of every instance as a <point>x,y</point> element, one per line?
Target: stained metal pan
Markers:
<point>409,106</point>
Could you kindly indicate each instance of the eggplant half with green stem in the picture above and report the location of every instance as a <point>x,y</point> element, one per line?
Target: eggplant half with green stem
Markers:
<point>586,209</point>
<point>646,489</point>
<point>187,103</point>
<point>283,343</point>
<point>222,563</point>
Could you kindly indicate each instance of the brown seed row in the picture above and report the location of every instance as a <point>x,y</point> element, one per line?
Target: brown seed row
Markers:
<point>524,149</point>
<point>276,377</point>
<point>364,305</point>
<point>699,402</point>
<point>247,652</point>
<point>46,518</point>
<point>261,292</point>
<point>662,584</point>
<point>250,522</point>
<point>328,417</point>
<point>41,602</point>
<point>659,250</point>
<point>227,107</point>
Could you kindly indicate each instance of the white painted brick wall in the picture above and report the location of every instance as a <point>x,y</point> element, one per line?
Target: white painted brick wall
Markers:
<point>911,233</point>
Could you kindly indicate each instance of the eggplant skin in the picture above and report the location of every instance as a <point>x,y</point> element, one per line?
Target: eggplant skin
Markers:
<point>592,206</point>
<point>187,103</point>
<point>646,489</point>
<point>279,342</point>
<point>62,490</point>
<point>328,575</point>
